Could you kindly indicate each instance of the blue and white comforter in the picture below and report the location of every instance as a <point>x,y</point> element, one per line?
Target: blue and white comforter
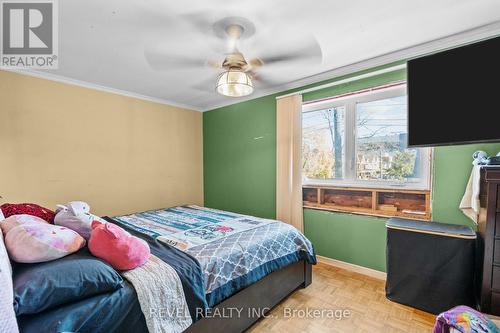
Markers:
<point>230,254</point>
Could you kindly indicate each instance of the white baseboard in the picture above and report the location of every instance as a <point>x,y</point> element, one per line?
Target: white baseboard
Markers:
<point>352,267</point>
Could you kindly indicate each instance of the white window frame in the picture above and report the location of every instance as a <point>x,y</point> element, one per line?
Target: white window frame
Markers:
<point>350,149</point>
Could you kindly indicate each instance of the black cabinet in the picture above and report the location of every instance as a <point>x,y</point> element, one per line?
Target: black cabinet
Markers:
<point>430,266</point>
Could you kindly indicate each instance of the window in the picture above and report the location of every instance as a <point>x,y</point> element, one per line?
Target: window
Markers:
<point>360,140</point>
<point>323,149</point>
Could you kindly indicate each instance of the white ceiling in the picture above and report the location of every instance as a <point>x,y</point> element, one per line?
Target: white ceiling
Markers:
<point>103,42</point>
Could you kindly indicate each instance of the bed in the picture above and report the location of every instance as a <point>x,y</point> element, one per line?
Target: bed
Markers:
<point>224,261</point>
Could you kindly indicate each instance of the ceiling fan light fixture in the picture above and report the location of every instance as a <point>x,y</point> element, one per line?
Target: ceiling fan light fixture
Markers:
<point>234,83</point>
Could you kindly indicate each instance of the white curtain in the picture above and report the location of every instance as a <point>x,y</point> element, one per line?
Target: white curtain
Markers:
<point>288,161</point>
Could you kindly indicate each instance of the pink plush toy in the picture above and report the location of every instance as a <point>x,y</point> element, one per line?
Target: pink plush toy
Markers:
<point>117,247</point>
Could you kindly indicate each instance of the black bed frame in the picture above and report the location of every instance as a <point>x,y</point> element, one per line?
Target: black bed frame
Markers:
<point>244,308</point>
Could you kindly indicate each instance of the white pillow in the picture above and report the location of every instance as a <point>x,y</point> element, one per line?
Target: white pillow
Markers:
<point>2,217</point>
<point>8,321</point>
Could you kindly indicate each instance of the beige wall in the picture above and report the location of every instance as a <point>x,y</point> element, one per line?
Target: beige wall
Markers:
<point>61,142</point>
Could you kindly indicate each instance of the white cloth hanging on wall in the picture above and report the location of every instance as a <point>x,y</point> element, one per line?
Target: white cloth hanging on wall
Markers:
<point>470,204</point>
<point>288,161</point>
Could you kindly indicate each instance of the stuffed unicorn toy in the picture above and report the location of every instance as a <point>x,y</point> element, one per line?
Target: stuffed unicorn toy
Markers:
<point>76,216</point>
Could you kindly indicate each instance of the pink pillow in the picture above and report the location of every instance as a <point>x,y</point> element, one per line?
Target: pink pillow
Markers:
<point>116,246</point>
<point>16,220</point>
<point>39,242</point>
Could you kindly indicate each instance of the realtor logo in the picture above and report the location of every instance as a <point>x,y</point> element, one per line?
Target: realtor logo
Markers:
<point>29,34</point>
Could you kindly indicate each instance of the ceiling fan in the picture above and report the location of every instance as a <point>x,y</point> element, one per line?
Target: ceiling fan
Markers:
<point>238,72</point>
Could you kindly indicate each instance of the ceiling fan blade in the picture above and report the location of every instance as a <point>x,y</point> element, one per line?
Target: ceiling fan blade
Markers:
<point>261,79</point>
<point>166,57</point>
<point>252,64</point>
<point>206,85</point>
<point>201,21</point>
<point>229,30</point>
<point>215,64</point>
<point>287,48</point>
<point>161,62</point>
<point>310,52</point>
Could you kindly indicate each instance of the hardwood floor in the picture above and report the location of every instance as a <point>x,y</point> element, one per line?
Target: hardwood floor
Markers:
<point>337,289</point>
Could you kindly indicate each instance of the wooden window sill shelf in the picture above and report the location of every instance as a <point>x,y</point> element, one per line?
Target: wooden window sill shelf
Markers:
<point>383,202</point>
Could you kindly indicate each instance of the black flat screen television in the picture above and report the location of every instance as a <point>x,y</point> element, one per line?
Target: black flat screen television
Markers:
<point>454,96</point>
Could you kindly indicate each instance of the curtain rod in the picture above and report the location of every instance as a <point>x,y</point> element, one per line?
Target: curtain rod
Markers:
<point>349,79</point>
<point>358,92</point>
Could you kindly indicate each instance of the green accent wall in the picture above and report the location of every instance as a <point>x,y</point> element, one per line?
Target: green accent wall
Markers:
<point>240,157</point>
<point>240,175</point>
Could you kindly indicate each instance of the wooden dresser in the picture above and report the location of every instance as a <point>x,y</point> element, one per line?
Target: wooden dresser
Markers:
<point>490,232</point>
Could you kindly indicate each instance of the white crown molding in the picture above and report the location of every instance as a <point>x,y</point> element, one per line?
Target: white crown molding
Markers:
<point>352,267</point>
<point>84,84</point>
<point>440,44</point>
